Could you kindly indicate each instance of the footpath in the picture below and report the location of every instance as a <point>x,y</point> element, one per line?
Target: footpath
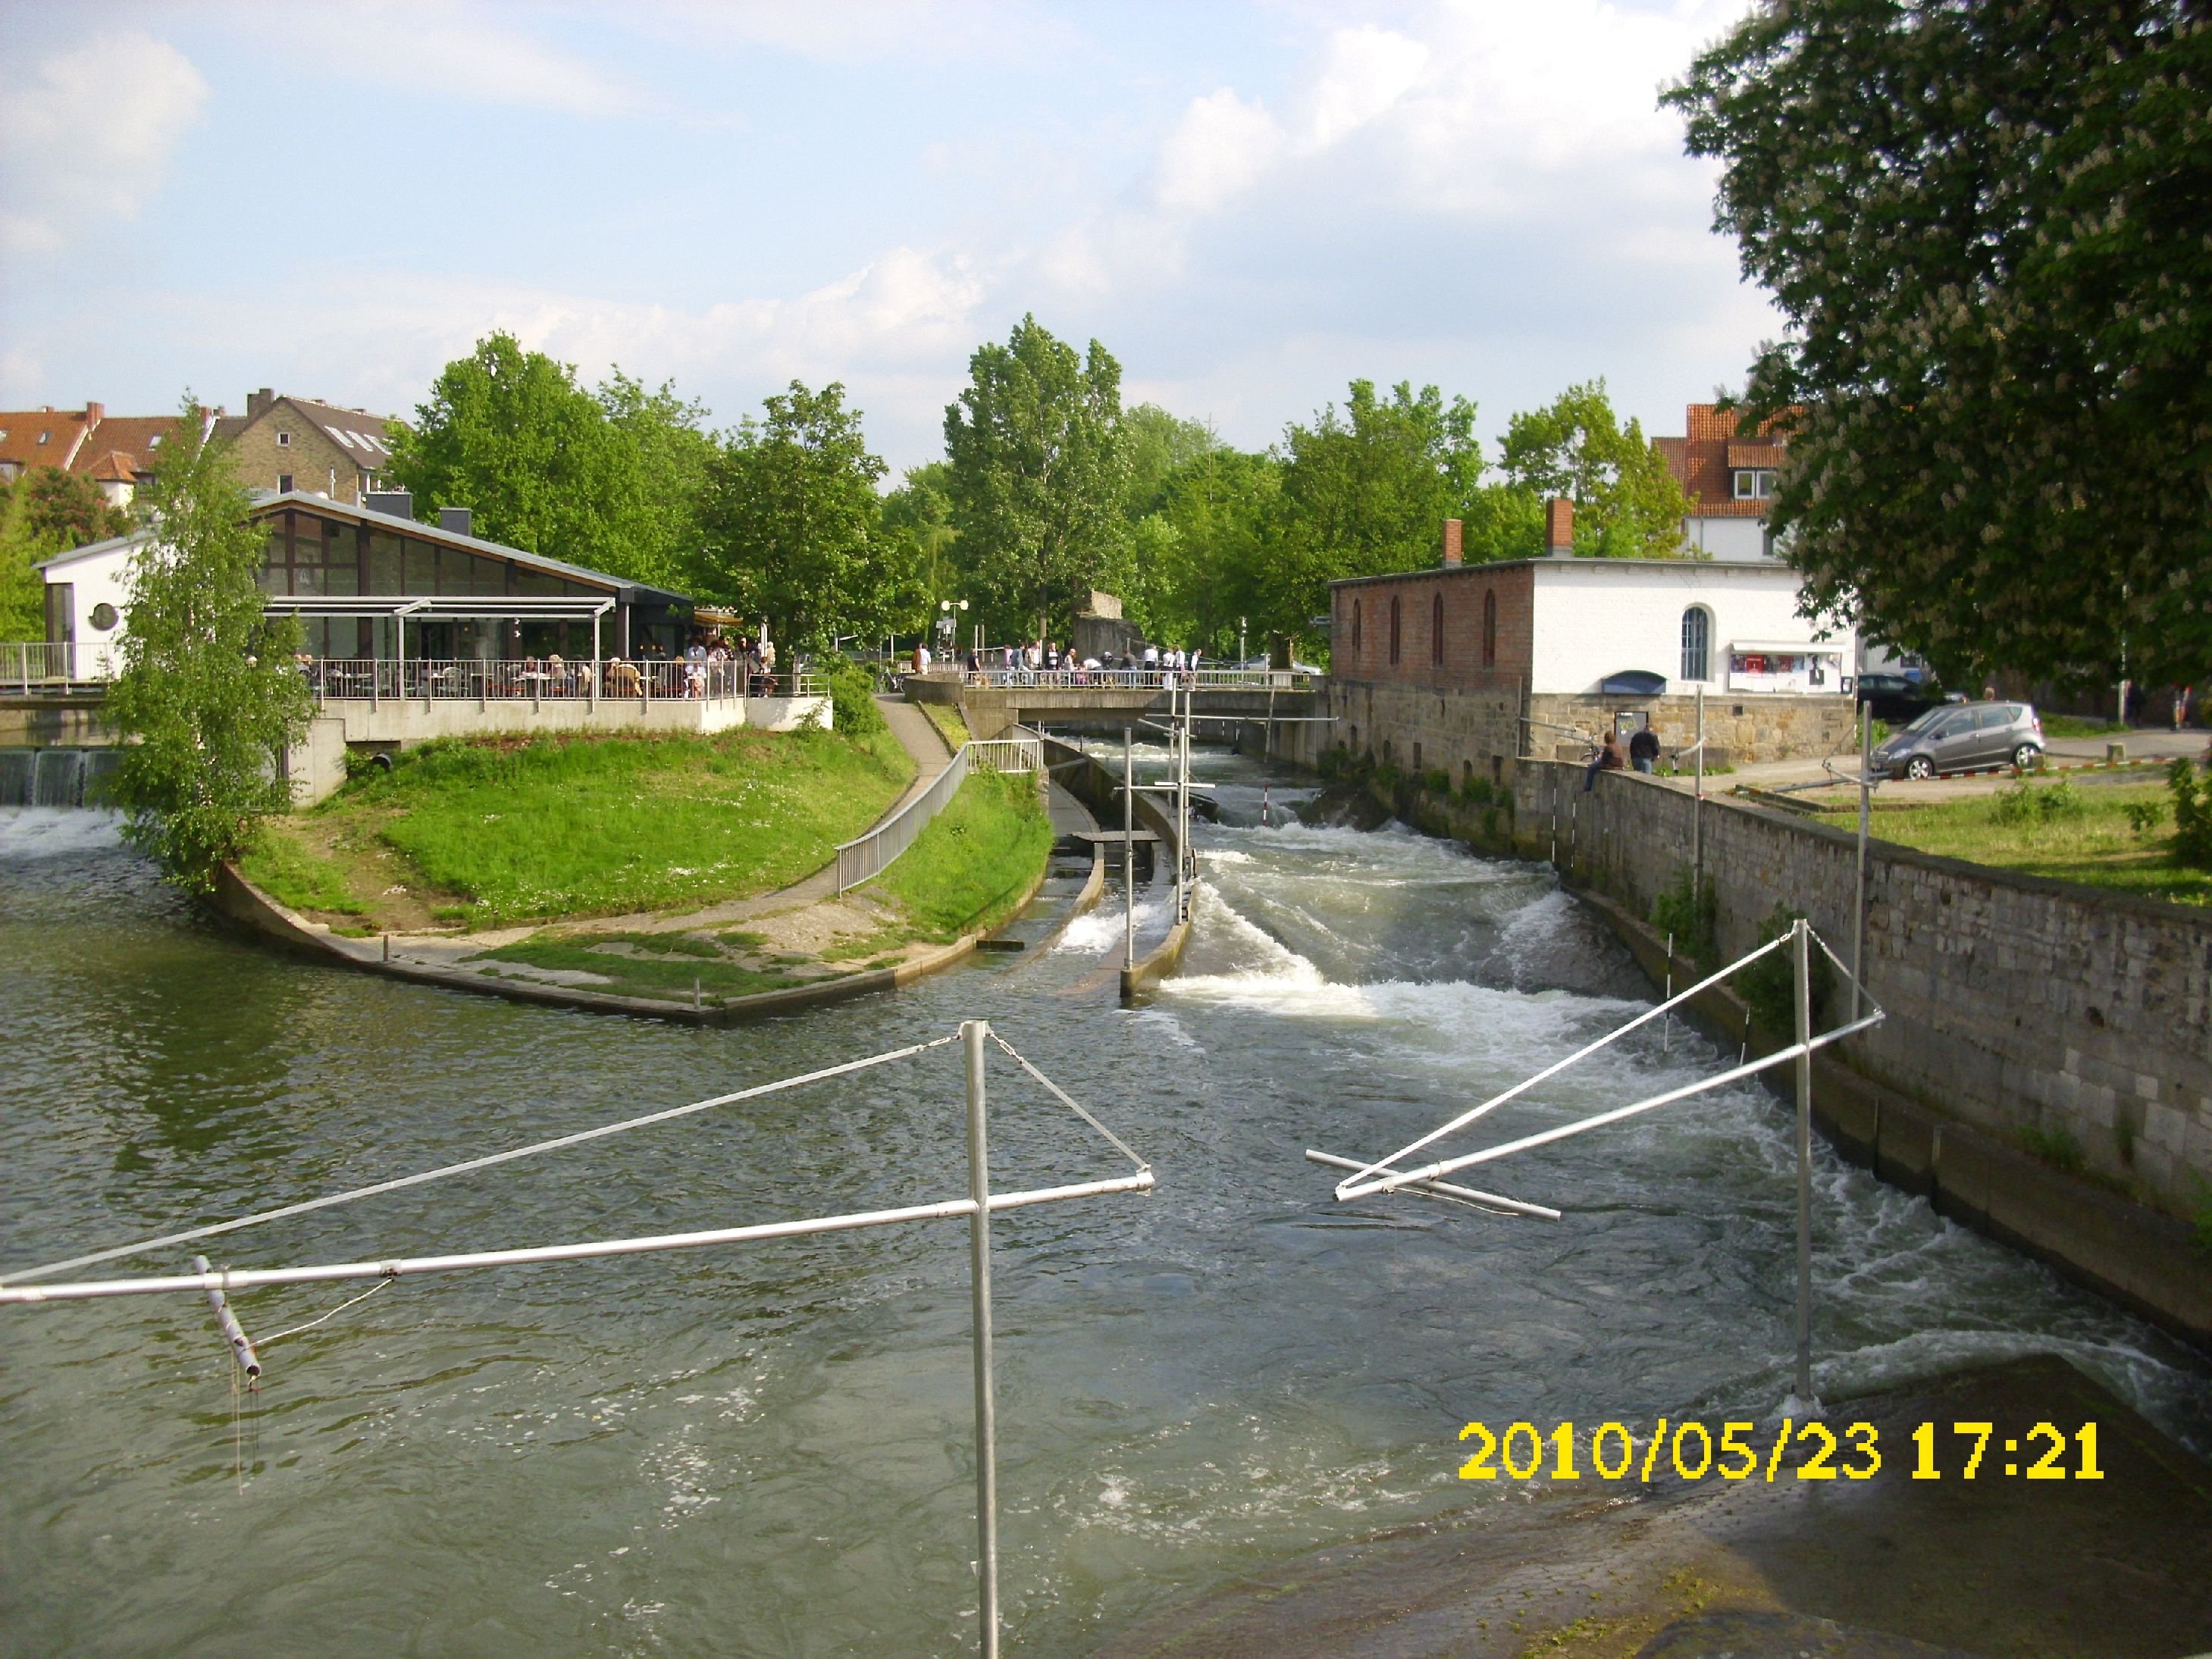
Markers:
<point>803,944</point>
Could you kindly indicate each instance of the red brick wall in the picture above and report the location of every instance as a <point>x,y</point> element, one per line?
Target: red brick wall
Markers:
<point>1463,591</point>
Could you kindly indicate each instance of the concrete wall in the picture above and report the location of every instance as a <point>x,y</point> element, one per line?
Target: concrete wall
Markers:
<point>1738,540</point>
<point>96,579</point>
<point>2015,1004</point>
<point>394,723</point>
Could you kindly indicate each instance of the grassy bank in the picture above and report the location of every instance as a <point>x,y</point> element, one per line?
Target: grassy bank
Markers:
<point>977,857</point>
<point>493,833</point>
<point>2058,829</point>
<point>950,725</point>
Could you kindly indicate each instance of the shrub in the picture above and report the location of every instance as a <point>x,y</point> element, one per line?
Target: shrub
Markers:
<point>2145,815</point>
<point>2055,1147</point>
<point>1436,780</point>
<point>1476,792</point>
<point>2192,816</point>
<point>1769,986</point>
<point>852,699</point>
<point>2024,804</point>
<point>1689,919</point>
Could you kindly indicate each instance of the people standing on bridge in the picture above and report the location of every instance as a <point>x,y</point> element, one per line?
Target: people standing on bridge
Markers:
<point>1608,759</point>
<point>1644,751</point>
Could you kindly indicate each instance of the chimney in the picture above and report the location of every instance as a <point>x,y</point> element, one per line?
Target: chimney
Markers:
<point>399,503</point>
<point>257,401</point>
<point>1453,557</point>
<point>456,520</point>
<point>1560,527</point>
<point>92,415</point>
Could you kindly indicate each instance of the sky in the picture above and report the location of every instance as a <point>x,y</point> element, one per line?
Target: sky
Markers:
<point>1249,205</point>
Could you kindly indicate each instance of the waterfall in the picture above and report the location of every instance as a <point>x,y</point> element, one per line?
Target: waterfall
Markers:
<point>53,777</point>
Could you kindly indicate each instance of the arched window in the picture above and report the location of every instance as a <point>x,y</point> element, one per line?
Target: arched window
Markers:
<point>1490,628</point>
<point>1396,627</point>
<point>1436,629</point>
<point>1355,626</point>
<point>1697,642</point>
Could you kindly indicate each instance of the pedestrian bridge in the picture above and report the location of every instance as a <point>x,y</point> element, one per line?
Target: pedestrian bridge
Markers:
<point>994,700</point>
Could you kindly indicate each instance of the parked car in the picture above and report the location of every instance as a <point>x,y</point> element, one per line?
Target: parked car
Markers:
<point>1963,737</point>
<point>1895,697</point>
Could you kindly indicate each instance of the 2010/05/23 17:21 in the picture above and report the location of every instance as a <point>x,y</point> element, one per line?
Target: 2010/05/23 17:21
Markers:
<point>2045,1467</point>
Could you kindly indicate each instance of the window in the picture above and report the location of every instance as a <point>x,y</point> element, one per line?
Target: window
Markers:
<point>1754,484</point>
<point>1436,629</point>
<point>284,441</point>
<point>1397,630</point>
<point>154,442</point>
<point>1697,642</point>
<point>284,483</point>
<point>105,615</point>
<point>47,434</point>
<point>1490,628</point>
<point>1355,625</point>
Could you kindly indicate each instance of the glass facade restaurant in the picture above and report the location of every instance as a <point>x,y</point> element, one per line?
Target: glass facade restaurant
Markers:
<point>326,551</point>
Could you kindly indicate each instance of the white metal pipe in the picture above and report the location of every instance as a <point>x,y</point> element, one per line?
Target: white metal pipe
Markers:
<point>471,1165</point>
<point>243,1279</point>
<point>233,1333</point>
<point>1128,850</point>
<point>972,1034</point>
<point>1802,955</point>
<point>1555,1069</point>
<point>1858,906</point>
<point>1734,1074</point>
<point>1469,1194</point>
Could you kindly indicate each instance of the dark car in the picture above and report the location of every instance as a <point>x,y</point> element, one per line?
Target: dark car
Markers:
<point>1963,737</point>
<point>1895,697</point>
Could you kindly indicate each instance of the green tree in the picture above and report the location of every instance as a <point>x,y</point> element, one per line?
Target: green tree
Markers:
<point>917,525</point>
<point>792,522</point>
<point>1627,505</point>
<point>44,512</point>
<point>609,480</point>
<point>1985,227</point>
<point>1159,445</point>
<point>208,699</point>
<point>1039,476</point>
<point>1363,494</point>
<point>1200,560</point>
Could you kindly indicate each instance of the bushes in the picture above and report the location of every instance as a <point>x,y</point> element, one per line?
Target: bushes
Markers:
<point>2192,816</point>
<point>2025,804</point>
<point>1690,920</point>
<point>1769,986</point>
<point>852,699</point>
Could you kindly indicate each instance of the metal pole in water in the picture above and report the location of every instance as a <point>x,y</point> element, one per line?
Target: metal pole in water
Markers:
<point>1666,1031</point>
<point>1802,952</point>
<point>972,1033</point>
<point>1697,812</point>
<point>1858,911</point>
<point>240,1349</point>
<point>1129,851</point>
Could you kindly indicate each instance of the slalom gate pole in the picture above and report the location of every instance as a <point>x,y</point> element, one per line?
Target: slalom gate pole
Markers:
<point>1802,952</point>
<point>972,1034</point>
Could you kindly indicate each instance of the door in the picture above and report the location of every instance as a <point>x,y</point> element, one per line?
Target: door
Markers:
<point>1992,740</point>
<point>1952,744</point>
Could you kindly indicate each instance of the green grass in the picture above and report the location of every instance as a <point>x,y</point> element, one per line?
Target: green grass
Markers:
<point>596,826</point>
<point>2076,726</point>
<point>950,722</point>
<point>969,867</point>
<point>642,976</point>
<point>2092,842</point>
<point>294,876</point>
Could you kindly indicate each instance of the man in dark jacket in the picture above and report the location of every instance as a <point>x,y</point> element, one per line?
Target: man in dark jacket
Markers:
<point>1644,751</point>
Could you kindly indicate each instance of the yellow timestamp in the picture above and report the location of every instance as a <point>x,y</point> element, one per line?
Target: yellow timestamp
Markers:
<point>1808,1450</point>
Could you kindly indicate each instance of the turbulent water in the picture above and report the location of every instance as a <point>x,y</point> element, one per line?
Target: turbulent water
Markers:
<point>767,1449</point>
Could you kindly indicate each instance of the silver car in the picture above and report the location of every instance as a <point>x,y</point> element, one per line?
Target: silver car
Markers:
<point>1963,737</point>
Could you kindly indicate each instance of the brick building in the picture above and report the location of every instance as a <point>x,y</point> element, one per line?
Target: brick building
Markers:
<point>1730,477</point>
<point>118,452</point>
<point>1466,668</point>
<point>285,443</point>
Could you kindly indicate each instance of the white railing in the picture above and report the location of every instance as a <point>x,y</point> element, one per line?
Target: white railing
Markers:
<point>866,857</point>
<point>51,665</point>
<point>1129,679</point>
<point>532,679</point>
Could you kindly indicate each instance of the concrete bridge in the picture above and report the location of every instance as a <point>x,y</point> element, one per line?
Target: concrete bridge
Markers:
<point>1225,700</point>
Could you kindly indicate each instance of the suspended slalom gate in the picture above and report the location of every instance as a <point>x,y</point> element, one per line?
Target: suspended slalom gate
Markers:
<point>1385,1176</point>
<point>980,1203</point>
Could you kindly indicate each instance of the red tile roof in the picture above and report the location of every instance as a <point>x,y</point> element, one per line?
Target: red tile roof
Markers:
<point>1702,461</point>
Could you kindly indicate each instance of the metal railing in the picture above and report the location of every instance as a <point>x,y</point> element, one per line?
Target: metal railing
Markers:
<point>530,679</point>
<point>52,665</point>
<point>866,857</point>
<point>1129,679</point>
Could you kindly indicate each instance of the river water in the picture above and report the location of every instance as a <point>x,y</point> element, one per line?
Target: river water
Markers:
<point>767,1449</point>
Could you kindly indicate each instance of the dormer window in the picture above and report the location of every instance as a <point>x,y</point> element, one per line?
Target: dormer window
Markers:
<point>47,434</point>
<point>1754,484</point>
<point>154,442</point>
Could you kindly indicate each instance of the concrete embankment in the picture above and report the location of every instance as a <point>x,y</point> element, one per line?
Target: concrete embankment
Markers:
<point>2045,1073</point>
<point>1090,781</point>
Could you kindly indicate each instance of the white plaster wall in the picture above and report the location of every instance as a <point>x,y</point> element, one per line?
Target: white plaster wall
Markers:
<point>1600,616</point>
<point>413,722</point>
<point>97,578</point>
<point>1736,540</point>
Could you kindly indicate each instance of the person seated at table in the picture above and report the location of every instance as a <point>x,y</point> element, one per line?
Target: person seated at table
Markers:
<point>621,678</point>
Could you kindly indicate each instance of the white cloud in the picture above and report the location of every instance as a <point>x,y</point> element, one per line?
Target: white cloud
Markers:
<point>457,50</point>
<point>1219,147</point>
<point>85,134</point>
<point>1365,72</point>
<point>861,31</point>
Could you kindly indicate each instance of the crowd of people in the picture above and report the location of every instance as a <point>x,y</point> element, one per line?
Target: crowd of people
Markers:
<point>713,664</point>
<point>1022,663</point>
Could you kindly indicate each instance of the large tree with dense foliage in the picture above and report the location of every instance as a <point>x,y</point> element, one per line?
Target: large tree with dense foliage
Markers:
<point>608,479</point>
<point>47,511</point>
<point>1038,476</point>
<point>1986,226</point>
<point>1627,504</point>
<point>792,523</point>
<point>209,698</point>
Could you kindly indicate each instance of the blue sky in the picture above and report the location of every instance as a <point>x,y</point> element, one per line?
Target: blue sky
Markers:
<point>1248,204</point>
